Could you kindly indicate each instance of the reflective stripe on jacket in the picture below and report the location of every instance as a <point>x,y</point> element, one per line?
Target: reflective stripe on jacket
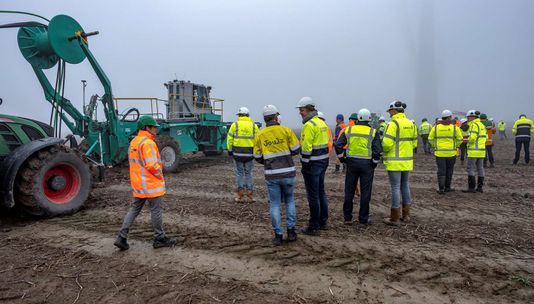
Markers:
<point>240,140</point>
<point>274,147</point>
<point>146,169</point>
<point>425,128</point>
<point>359,140</point>
<point>400,139</point>
<point>445,139</point>
<point>314,141</point>
<point>523,128</point>
<point>476,147</point>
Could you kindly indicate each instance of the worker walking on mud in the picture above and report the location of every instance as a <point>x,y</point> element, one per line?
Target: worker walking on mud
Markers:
<point>274,147</point>
<point>522,130</point>
<point>445,137</point>
<point>361,156</point>
<point>490,130</point>
<point>240,143</point>
<point>424,130</point>
<point>464,127</point>
<point>501,126</point>
<point>314,158</point>
<point>340,125</point>
<point>148,184</point>
<point>476,152</point>
<point>398,145</point>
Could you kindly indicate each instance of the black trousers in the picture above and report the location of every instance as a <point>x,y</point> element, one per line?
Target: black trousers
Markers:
<point>358,169</point>
<point>525,142</point>
<point>445,166</point>
<point>463,151</point>
<point>489,155</point>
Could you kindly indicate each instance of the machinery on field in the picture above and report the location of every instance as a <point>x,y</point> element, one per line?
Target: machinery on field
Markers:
<point>46,178</point>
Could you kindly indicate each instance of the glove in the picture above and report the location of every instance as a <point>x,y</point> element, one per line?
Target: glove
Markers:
<point>374,163</point>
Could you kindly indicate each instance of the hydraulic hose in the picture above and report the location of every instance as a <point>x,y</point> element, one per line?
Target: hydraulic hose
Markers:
<point>23,13</point>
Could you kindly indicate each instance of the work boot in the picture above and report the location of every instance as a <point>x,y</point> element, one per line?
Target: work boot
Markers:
<point>448,181</point>
<point>441,184</point>
<point>291,235</point>
<point>348,222</point>
<point>394,218</point>
<point>336,170</point>
<point>309,231</point>
<point>406,213</point>
<point>277,240</point>
<point>250,196</point>
<point>240,196</point>
<point>471,182</point>
<point>480,184</point>
<point>163,242</point>
<point>121,243</point>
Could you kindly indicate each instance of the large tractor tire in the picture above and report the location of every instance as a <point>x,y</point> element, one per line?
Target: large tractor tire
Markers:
<point>169,149</point>
<point>53,181</point>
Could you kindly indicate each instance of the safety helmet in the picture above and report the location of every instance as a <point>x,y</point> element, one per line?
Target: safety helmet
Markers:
<point>340,116</point>
<point>354,116</point>
<point>146,121</point>
<point>382,118</point>
<point>364,115</point>
<point>243,111</point>
<point>424,119</point>
<point>320,115</point>
<point>305,101</point>
<point>483,116</point>
<point>396,105</point>
<point>463,120</point>
<point>446,113</point>
<point>522,116</point>
<point>490,119</point>
<point>474,113</point>
<point>269,110</point>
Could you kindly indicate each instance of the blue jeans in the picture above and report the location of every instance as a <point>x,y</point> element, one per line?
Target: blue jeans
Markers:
<point>282,189</point>
<point>317,201</point>
<point>243,174</point>
<point>400,186</point>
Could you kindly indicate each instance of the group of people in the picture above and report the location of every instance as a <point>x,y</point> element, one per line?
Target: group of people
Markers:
<point>359,147</point>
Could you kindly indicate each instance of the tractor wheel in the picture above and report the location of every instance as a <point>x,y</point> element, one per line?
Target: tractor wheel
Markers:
<point>169,149</point>
<point>53,181</point>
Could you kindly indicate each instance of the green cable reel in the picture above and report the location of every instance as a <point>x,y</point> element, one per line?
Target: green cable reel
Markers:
<point>43,47</point>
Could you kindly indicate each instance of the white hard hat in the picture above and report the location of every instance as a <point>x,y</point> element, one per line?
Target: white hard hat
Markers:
<point>396,105</point>
<point>446,113</point>
<point>382,118</point>
<point>269,110</point>
<point>305,101</point>
<point>463,120</point>
<point>364,115</point>
<point>320,115</point>
<point>472,113</point>
<point>243,111</point>
<point>491,118</point>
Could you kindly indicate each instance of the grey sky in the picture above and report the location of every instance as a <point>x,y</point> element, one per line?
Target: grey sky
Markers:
<point>433,55</point>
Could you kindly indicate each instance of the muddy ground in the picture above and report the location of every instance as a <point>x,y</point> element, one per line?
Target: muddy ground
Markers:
<point>459,248</point>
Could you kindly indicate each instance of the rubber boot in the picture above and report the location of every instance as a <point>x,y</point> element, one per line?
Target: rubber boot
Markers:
<point>406,213</point>
<point>472,183</point>
<point>291,235</point>
<point>441,184</point>
<point>250,196</point>
<point>394,218</point>
<point>448,181</point>
<point>240,196</point>
<point>480,184</point>
<point>277,240</point>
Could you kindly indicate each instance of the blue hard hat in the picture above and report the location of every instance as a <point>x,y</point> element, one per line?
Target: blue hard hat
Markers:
<point>340,116</point>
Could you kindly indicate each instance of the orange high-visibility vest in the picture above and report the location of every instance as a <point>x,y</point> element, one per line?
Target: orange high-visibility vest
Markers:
<point>351,123</point>
<point>330,141</point>
<point>146,169</point>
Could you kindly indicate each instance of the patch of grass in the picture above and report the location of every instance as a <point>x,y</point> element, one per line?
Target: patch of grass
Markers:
<point>526,281</point>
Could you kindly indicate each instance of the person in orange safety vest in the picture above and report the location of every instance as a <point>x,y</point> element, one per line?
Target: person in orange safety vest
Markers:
<point>148,184</point>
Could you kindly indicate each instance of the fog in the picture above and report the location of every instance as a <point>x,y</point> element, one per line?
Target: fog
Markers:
<point>433,55</point>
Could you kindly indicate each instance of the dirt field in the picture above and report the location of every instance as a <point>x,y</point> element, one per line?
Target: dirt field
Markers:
<point>459,248</point>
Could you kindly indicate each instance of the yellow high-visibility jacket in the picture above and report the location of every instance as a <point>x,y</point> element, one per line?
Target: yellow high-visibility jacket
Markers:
<point>314,139</point>
<point>476,146</point>
<point>400,139</point>
<point>523,128</point>
<point>241,137</point>
<point>445,138</point>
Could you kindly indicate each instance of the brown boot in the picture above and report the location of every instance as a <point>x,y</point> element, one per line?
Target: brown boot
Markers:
<point>394,219</point>
<point>405,213</point>
<point>250,196</point>
<point>240,196</point>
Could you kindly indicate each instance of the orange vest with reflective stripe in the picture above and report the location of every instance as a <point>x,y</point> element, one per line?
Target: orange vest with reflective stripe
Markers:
<point>146,169</point>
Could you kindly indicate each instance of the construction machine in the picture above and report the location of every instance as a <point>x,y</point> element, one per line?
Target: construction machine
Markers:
<point>40,173</point>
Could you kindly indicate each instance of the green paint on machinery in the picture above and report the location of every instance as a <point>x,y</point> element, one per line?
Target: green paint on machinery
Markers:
<point>192,123</point>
